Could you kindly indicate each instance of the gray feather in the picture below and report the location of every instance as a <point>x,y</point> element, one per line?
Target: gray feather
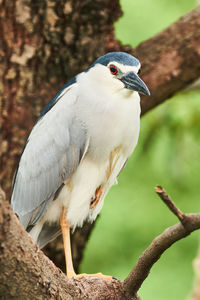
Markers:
<point>52,153</point>
<point>48,233</point>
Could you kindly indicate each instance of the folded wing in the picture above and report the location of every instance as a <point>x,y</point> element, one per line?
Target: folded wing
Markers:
<point>53,152</point>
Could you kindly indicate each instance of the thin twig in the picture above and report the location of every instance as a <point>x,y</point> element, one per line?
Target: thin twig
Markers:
<point>170,204</point>
<point>184,218</point>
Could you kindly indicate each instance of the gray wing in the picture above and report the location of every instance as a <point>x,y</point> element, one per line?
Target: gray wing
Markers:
<point>53,152</point>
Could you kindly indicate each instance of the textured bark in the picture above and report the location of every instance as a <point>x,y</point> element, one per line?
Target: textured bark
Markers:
<point>45,43</point>
<point>26,273</point>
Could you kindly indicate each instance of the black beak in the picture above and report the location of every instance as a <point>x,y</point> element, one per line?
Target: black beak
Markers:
<point>133,82</point>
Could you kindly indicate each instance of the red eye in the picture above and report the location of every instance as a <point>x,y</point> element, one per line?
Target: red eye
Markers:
<point>113,69</point>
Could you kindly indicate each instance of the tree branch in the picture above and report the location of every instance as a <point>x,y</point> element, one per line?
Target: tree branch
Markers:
<point>189,223</point>
<point>170,60</point>
<point>183,218</point>
<point>170,204</point>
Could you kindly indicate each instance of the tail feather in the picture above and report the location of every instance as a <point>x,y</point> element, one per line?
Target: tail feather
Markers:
<point>48,233</point>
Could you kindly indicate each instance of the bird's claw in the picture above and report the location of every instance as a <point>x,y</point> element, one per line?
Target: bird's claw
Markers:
<point>99,275</point>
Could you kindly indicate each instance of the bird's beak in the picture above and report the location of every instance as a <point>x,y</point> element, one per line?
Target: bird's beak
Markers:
<point>133,82</point>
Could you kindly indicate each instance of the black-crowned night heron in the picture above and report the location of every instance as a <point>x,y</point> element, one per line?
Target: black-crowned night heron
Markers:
<point>77,149</point>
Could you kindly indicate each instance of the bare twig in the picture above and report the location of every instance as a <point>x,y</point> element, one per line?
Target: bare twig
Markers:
<point>151,255</point>
<point>189,223</point>
<point>170,204</point>
<point>184,218</point>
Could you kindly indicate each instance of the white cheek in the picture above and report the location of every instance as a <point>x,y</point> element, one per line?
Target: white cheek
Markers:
<point>129,93</point>
<point>115,84</point>
<point>101,79</point>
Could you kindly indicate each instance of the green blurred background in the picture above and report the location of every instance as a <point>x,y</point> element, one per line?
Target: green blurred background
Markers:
<point>167,154</point>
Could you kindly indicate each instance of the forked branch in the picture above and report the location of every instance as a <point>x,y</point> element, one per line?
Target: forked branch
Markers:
<point>189,223</point>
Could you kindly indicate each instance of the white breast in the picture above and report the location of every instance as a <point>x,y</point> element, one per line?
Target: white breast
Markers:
<point>112,118</point>
<point>85,181</point>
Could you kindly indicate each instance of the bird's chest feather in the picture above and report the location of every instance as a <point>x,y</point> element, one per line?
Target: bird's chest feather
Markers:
<point>91,178</point>
<point>111,124</point>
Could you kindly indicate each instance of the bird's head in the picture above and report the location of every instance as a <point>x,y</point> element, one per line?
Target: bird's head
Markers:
<point>118,71</point>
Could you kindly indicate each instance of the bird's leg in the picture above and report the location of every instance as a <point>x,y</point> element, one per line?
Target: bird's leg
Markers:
<point>94,200</point>
<point>65,227</point>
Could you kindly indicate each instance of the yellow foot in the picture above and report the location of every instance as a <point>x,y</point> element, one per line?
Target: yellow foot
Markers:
<point>100,275</point>
<point>71,274</point>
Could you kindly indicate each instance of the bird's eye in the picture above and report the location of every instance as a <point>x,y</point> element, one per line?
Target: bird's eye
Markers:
<point>113,69</point>
<point>139,71</point>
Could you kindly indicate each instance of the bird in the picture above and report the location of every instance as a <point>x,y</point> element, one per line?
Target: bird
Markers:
<point>80,143</point>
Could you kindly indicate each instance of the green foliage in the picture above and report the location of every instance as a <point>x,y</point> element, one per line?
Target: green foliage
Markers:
<point>167,154</point>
